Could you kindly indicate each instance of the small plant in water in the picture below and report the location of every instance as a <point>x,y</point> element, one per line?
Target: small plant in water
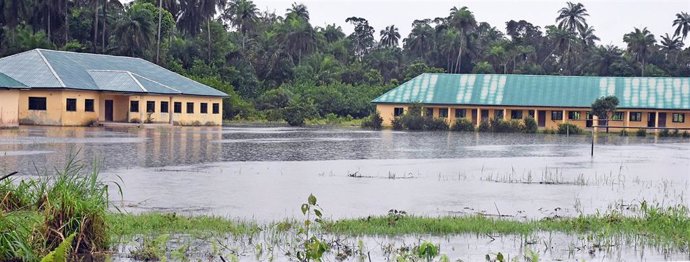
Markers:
<point>313,247</point>
<point>427,250</point>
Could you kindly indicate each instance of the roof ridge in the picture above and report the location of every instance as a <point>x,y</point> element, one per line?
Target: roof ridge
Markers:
<point>137,81</point>
<point>164,85</point>
<point>85,53</point>
<point>52,70</point>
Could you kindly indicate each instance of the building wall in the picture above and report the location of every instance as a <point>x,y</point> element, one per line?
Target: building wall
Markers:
<point>9,105</point>
<point>56,108</point>
<point>386,112</point>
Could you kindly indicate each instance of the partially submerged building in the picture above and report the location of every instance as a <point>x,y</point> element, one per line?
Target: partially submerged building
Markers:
<point>46,87</point>
<point>649,102</point>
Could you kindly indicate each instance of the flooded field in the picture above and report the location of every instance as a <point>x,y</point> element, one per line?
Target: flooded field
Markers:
<point>264,174</point>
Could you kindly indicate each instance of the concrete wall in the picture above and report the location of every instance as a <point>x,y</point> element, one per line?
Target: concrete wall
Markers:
<point>9,105</point>
<point>80,117</point>
<point>52,116</point>
<point>386,112</point>
<point>182,118</point>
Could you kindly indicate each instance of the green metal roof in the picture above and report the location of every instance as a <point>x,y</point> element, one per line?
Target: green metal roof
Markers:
<point>541,90</point>
<point>8,82</point>
<point>40,68</point>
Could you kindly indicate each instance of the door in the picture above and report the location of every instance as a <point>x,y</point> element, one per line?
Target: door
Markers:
<point>474,116</point>
<point>109,110</point>
<point>589,119</point>
<point>662,119</point>
<point>542,118</point>
<point>485,115</point>
<point>651,120</point>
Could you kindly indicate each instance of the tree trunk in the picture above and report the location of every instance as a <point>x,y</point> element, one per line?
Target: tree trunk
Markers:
<point>105,22</point>
<point>49,26</point>
<point>643,66</point>
<point>160,19</point>
<point>95,25</point>
<point>66,21</point>
<point>208,28</point>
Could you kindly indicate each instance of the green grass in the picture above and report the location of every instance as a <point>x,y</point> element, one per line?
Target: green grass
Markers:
<point>158,223</point>
<point>654,225</point>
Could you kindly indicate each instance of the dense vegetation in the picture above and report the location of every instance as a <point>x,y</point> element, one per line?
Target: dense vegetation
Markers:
<point>280,66</point>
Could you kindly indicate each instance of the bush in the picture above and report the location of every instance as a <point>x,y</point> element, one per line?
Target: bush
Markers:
<point>484,126</point>
<point>298,111</point>
<point>435,124</point>
<point>685,134</point>
<point>641,132</point>
<point>569,128</point>
<point>624,132</point>
<point>530,125</point>
<point>502,126</point>
<point>397,123</point>
<point>463,124</point>
<point>374,121</point>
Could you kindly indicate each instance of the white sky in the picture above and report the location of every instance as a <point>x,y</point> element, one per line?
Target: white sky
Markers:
<point>610,18</point>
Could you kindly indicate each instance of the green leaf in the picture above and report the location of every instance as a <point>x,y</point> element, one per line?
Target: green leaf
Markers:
<point>312,199</point>
<point>317,212</point>
<point>60,253</point>
<point>305,208</point>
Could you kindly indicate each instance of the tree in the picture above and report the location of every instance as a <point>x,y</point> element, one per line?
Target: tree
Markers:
<point>587,36</point>
<point>242,15</point>
<point>362,37</point>
<point>134,31</point>
<point>671,45</point>
<point>640,43</point>
<point>682,24</point>
<point>420,41</point>
<point>603,107</point>
<point>572,17</point>
<point>390,36</point>
<point>603,59</point>
<point>299,11</point>
<point>463,20</point>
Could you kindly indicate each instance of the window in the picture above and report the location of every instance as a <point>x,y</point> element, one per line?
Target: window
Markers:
<point>190,108</point>
<point>556,115</point>
<point>636,116</point>
<point>574,115</point>
<point>134,106</point>
<point>204,108</point>
<point>88,105</point>
<point>460,113</point>
<point>37,103</point>
<point>498,114</point>
<point>398,111</point>
<point>678,118</point>
<point>515,114</point>
<point>177,107</point>
<point>531,113</point>
<point>164,107</point>
<point>443,112</point>
<point>617,116</point>
<point>150,106</point>
<point>216,108</point>
<point>71,105</point>
<point>429,112</point>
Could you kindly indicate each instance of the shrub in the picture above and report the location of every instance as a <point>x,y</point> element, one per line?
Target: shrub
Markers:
<point>435,124</point>
<point>624,132</point>
<point>502,126</point>
<point>569,128</point>
<point>397,123</point>
<point>530,125</point>
<point>484,126</point>
<point>463,124</point>
<point>664,133</point>
<point>298,111</point>
<point>641,132</point>
<point>135,120</point>
<point>685,134</point>
<point>373,121</point>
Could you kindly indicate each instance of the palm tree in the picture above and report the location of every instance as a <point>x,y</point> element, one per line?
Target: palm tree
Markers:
<point>561,39</point>
<point>682,24</point>
<point>572,17</point>
<point>208,9</point>
<point>298,10</point>
<point>463,20</point>
<point>640,43</point>
<point>242,15</point>
<point>15,11</point>
<point>390,36</point>
<point>671,45</point>
<point>587,36</point>
<point>332,33</point>
<point>603,57</point>
<point>298,37</point>
<point>134,32</point>
<point>421,39</point>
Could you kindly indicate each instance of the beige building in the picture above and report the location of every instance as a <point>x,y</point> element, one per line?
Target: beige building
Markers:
<point>45,87</point>
<point>645,102</point>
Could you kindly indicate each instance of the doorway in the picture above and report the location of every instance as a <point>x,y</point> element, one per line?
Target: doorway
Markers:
<point>662,119</point>
<point>651,119</point>
<point>109,110</point>
<point>542,118</point>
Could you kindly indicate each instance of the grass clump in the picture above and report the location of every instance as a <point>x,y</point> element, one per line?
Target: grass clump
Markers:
<point>569,128</point>
<point>641,132</point>
<point>158,223</point>
<point>463,125</point>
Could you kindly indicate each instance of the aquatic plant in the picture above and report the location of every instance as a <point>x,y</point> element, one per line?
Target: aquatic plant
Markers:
<point>313,247</point>
<point>374,121</point>
<point>569,128</point>
<point>463,124</point>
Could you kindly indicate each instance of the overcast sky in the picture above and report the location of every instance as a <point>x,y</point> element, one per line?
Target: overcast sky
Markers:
<point>610,18</point>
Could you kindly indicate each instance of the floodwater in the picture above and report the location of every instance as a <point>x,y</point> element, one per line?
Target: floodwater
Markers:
<point>265,173</point>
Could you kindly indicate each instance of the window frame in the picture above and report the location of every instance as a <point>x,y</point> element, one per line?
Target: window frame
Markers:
<point>429,111</point>
<point>89,107</point>
<point>177,107</point>
<point>134,106</point>
<point>150,106</point>
<point>203,108</point>
<point>514,113</point>
<point>498,114</point>
<point>556,113</point>
<point>165,109</point>
<point>190,108</point>
<point>635,117</point>
<point>42,103</point>
<point>462,115</point>
<point>215,108</point>
<point>400,113</point>
<point>621,118</point>
<point>681,117</point>
<point>71,105</point>
<point>574,115</point>
<point>443,112</point>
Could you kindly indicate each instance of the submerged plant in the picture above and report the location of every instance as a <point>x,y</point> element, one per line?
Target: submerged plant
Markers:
<point>313,247</point>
